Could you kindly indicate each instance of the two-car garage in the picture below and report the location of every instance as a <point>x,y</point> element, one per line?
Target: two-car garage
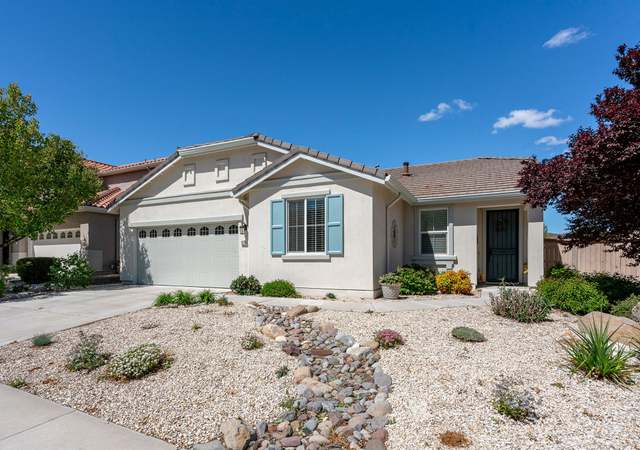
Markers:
<point>202,254</point>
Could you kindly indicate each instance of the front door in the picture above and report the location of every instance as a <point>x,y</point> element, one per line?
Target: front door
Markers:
<point>502,245</point>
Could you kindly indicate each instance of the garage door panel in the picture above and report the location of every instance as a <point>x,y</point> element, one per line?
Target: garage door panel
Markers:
<point>211,260</point>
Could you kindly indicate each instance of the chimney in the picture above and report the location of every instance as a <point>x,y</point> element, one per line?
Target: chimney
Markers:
<point>405,169</point>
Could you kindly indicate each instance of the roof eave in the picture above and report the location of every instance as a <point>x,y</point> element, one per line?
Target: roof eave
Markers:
<point>499,195</point>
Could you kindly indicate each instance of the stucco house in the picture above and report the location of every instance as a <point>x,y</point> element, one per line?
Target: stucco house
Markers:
<point>93,227</point>
<point>258,205</point>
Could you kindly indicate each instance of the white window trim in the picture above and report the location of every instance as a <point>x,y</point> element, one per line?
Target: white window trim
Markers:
<point>261,156</point>
<point>224,163</point>
<point>286,219</point>
<point>186,169</point>
<point>445,232</point>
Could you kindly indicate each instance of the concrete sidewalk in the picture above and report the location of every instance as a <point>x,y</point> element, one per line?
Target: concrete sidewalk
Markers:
<point>30,422</point>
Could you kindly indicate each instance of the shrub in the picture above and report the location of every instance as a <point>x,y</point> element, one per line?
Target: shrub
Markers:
<point>207,297</point>
<point>246,285</point>
<point>195,327</point>
<point>592,351</point>
<point>454,282</point>
<point>390,278</point>
<point>417,280</point>
<point>85,355</point>
<point>17,383</point>
<point>166,298</point>
<point>389,338</point>
<point>520,305</point>
<point>72,271</point>
<point>574,295</point>
<point>467,334</point>
<point>34,270</point>
<point>3,286</point>
<point>330,296</point>
<point>137,362</point>
<point>625,307</point>
<point>42,340</point>
<point>279,288</point>
<point>223,301</point>
<point>517,404</point>
<point>282,371</point>
<point>251,342</point>
<point>184,298</point>
<point>561,271</point>
<point>616,287</point>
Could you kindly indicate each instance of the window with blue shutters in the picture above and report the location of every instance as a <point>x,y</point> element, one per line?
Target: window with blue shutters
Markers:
<point>335,232</point>
<point>277,227</point>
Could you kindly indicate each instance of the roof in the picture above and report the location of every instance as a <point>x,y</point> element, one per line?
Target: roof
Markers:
<point>97,164</point>
<point>470,176</point>
<point>106,198</point>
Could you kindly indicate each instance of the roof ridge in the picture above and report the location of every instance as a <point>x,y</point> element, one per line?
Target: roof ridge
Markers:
<point>475,158</point>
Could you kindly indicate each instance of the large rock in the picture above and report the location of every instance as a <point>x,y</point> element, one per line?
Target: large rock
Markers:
<point>273,331</point>
<point>621,329</point>
<point>379,409</point>
<point>635,313</point>
<point>328,328</point>
<point>297,311</point>
<point>235,434</point>
<point>318,388</point>
<point>301,373</point>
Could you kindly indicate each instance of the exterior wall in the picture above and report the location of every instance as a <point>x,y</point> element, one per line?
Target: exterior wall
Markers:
<point>396,212</point>
<point>123,180</point>
<point>535,245</point>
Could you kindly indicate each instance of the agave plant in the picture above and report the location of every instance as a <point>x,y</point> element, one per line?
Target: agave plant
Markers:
<point>591,350</point>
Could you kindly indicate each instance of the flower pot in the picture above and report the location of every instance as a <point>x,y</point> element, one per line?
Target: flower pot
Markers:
<point>390,291</point>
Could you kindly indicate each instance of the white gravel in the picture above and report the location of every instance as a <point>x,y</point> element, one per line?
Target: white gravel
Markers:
<point>211,379</point>
<point>442,384</point>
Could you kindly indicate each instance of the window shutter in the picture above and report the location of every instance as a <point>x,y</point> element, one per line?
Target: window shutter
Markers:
<point>334,224</point>
<point>277,227</point>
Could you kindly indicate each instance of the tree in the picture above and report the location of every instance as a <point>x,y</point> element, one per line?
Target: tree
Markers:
<point>597,181</point>
<point>43,178</point>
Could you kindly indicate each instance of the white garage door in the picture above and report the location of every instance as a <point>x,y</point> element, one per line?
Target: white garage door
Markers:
<point>188,255</point>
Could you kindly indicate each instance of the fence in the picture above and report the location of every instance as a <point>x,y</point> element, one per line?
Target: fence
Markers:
<point>594,258</point>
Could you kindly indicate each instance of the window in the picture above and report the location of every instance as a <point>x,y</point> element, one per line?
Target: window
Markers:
<point>219,230</point>
<point>48,235</point>
<point>259,162</point>
<point>41,237</point>
<point>434,225</point>
<point>191,232</point>
<point>166,233</point>
<point>177,232</point>
<point>305,225</point>
<point>78,234</point>
<point>142,234</point>
<point>222,170</point>
<point>189,174</point>
<point>54,235</point>
<point>233,229</point>
<point>204,231</point>
<point>63,235</point>
<point>153,234</point>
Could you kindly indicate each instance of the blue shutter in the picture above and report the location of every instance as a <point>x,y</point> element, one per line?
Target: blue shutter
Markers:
<point>277,227</point>
<point>334,224</point>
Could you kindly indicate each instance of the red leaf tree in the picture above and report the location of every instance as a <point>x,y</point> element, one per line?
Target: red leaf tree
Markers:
<point>597,181</point>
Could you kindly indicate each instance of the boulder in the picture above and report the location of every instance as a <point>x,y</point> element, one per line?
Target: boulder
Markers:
<point>320,352</point>
<point>635,313</point>
<point>379,409</point>
<point>312,309</point>
<point>382,379</point>
<point>375,444</point>
<point>318,388</point>
<point>357,351</point>
<point>296,311</point>
<point>301,373</point>
<point>273,331</point>
<point>235,434</point>
<point>291,441</point>
<point>318,439</point>
<point>621,329</point>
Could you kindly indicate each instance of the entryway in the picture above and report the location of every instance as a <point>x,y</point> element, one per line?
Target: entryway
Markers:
<point>502,245</point>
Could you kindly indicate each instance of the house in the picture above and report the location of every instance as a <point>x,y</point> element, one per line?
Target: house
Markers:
<point>258,205</point>
<point>93,227</point>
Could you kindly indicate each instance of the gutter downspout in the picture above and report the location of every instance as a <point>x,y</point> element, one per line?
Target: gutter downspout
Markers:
<point>386,230</point>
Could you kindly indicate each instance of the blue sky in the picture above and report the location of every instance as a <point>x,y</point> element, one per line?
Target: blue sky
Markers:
<point>133,80</point>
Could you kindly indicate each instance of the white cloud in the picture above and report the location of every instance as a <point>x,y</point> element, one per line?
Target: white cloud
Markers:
<point>567,36</point>
<point>529,118</point>
<point>444,108</point>
<point>551,141</point>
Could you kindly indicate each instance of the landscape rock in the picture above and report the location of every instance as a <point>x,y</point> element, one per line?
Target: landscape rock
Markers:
<point>296,311</point>
<point>379,409</point>
<point>622,329</point>
<point>301,373</point>
<point>291,441</point>
<point>382,379</point>
<point>213,445</point>
<point>272,331</point>
<point>635,313</point>
<point>235,434</point>
<point>375,444</point>
<point>312,309</point>
<point>328,328</point>
<point>316,386</point>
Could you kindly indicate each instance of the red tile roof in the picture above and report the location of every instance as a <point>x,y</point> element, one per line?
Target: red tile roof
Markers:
<point>147,163</point>
<point>97,165</point>
<point>106,198</point>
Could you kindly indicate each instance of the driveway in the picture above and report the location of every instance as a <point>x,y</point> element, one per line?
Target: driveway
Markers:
<point>23,319</point>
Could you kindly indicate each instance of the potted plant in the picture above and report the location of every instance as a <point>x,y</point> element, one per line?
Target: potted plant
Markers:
<point>390,283</point>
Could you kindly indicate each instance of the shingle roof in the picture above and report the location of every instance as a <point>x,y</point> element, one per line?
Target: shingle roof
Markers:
<point>469,176</point>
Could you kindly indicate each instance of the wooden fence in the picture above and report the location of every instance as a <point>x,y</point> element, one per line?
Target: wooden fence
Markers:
<point>594,258</point>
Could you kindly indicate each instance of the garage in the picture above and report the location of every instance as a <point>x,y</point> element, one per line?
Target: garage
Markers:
<point>203,255</point>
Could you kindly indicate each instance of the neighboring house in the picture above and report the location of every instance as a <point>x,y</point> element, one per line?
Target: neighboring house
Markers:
<point>261,206</point>
<point>93,227</point>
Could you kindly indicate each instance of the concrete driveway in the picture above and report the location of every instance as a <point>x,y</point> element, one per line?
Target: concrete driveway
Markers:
<point>23,319</point>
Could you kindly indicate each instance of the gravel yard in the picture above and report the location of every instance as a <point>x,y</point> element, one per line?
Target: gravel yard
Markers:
<point>439,383</point>
<point>211,379</point>
<point>442,384</point>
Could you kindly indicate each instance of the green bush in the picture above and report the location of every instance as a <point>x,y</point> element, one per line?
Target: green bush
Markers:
<point>282,371</point>
<point>86,354</point>
<point>520,305</point>
<point>625,307</point>
<point>251,342</point>
<point>223,301</point>
<point>390,278</point>
<point>166,298</point>
<point>207,297</point>
<point>34,270</point>
<point>468,334</point>
<point>574,295</point>
<point>592,351</point>
<point>184,298</point>
<point>515,403</point>
<point>615,287</point>
<point>3,286</point>
<point>417,280</point>
<point>279,288</point>
<point>246,285</point>
<point>454,282</point>
<point>562,271</point>
<point>42,340</point>
<point>17,383</point>
<point>137,362</point>
<point>72,271</point>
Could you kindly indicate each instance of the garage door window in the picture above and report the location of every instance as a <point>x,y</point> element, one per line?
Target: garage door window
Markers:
<point>153,234</point>
<point>142,234</point>
<point>219,230</point>
<point>177,232</point>
<point>166,233</point>
<point>204,231</point>
<point>78,234</point>
<point>233,229</point>
<point>191,232</point>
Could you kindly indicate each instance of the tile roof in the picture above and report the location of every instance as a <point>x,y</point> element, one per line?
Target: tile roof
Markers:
<point>106,198</point>
<point>97,165</point>
<point>147,163</point>
<point>469,176</point>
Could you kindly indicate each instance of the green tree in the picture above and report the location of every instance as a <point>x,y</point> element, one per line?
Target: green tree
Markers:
<point>43,178</point>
